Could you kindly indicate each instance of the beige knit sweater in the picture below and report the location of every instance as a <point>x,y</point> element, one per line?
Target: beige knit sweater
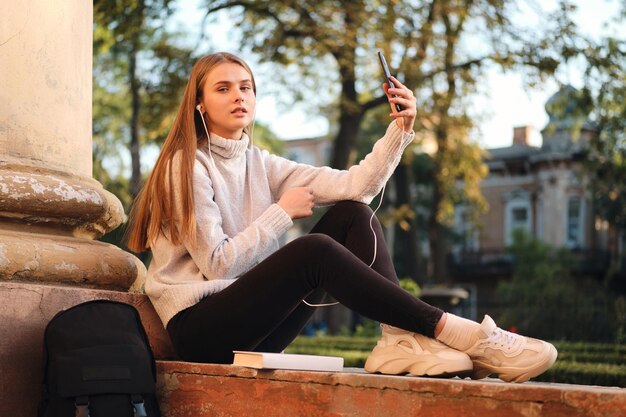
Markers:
<point>239,223</point>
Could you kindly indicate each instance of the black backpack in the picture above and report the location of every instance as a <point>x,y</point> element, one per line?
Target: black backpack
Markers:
<point>98,363</point>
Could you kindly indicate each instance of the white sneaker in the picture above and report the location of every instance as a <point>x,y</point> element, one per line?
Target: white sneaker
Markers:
<point>399,351</point>
<point>513,357</point>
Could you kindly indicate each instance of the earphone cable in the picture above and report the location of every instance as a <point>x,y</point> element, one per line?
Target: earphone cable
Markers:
<point>208,137</point>
<point>380,203</point>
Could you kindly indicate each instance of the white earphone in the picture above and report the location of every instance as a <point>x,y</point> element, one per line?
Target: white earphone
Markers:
<point>208,137</point>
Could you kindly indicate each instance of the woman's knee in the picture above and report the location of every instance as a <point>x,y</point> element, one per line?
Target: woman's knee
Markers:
<point>352,209</point>
<point>316,245</point>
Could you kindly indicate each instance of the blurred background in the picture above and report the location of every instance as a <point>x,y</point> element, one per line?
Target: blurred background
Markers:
<point>511,200</point>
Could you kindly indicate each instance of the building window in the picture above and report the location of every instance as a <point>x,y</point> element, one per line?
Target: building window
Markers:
<point>519,218</point>
<point>574,226</point>
<point>518,215</point>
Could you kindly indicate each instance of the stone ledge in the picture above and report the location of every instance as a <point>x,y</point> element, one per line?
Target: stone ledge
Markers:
<point>222,390</point>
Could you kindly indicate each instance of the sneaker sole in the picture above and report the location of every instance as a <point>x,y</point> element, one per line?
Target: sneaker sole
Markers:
<point>515,374</point>
<point>393,361</point>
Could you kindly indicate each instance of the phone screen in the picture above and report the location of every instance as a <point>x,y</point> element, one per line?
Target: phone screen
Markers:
<point>385,67</point>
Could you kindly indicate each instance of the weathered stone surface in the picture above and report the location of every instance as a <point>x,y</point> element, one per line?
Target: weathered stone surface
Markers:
<point>63,202</point>
<point>46,184</point>
<point>219,390</point>
<point>66,260</point>
<point>25,310</point>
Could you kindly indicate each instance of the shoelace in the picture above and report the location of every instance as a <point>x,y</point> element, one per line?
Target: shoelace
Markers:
<point>504,339</point>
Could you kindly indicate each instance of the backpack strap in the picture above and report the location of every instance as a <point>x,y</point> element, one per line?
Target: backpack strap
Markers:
<point>82,406</point>
<point>138,405</point>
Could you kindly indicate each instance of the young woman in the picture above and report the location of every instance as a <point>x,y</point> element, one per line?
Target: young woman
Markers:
<point>212,213</point>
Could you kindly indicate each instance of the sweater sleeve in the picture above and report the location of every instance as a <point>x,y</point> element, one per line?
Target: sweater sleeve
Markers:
<point>360,182</point>
<point>217,255</point>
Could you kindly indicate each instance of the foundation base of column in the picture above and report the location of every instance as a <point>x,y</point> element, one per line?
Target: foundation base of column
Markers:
<point>55,202</point>
<point>29,257</point>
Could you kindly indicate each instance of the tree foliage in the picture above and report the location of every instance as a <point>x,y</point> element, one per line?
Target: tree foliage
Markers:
<point>139,73</point>
<point>606,97</point>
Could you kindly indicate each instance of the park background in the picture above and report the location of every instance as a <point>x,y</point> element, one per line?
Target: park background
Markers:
<point>478,68</point>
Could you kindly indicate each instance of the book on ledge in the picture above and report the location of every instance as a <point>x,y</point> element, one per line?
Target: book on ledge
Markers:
<point>265,360</point>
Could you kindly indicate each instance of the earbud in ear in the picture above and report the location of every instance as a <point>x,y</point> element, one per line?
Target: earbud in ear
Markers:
<point>199,107</point>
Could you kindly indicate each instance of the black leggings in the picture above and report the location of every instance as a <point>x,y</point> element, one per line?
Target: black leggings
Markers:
<point>263,309</point>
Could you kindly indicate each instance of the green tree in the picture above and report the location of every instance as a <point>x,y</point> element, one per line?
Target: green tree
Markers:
<point>601,106</point>
<point>139,74</point>
<point>330,46</point>
<point>605,103</point>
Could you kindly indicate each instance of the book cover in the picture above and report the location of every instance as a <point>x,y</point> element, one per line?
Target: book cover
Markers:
<point>265,360</point>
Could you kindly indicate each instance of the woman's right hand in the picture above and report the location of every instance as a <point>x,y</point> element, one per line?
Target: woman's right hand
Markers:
<point>403,96</point>
<point>298,202</point>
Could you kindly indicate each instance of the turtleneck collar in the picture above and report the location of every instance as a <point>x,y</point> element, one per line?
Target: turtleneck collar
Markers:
<point>229,148</point>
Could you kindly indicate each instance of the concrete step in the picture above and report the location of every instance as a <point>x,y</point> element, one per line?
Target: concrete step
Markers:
<point>190,389</point>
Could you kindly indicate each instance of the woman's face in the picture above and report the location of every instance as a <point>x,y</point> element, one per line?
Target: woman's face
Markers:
<point>228,100</point>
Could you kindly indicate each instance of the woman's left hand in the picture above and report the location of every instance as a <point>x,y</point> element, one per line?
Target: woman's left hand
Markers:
<point>406,99</point>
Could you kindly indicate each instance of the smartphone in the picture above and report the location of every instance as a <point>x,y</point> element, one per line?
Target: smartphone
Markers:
<point>387,73</point>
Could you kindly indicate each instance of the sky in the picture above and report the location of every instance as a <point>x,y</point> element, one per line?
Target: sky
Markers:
<point>508,103</point>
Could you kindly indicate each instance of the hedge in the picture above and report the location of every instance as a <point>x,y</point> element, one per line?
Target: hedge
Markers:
<point>578,363</point>
<point>586,374</point>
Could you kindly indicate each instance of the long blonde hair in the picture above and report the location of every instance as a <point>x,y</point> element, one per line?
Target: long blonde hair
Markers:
<point>153,211</point>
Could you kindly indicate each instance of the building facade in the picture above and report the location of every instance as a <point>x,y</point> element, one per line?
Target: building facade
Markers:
<point>542,190</point>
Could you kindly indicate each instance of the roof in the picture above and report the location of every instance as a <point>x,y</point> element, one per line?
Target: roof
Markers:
<point>515,151</point>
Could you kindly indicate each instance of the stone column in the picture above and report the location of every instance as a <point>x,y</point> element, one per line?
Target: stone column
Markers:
<point>51,209</point>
